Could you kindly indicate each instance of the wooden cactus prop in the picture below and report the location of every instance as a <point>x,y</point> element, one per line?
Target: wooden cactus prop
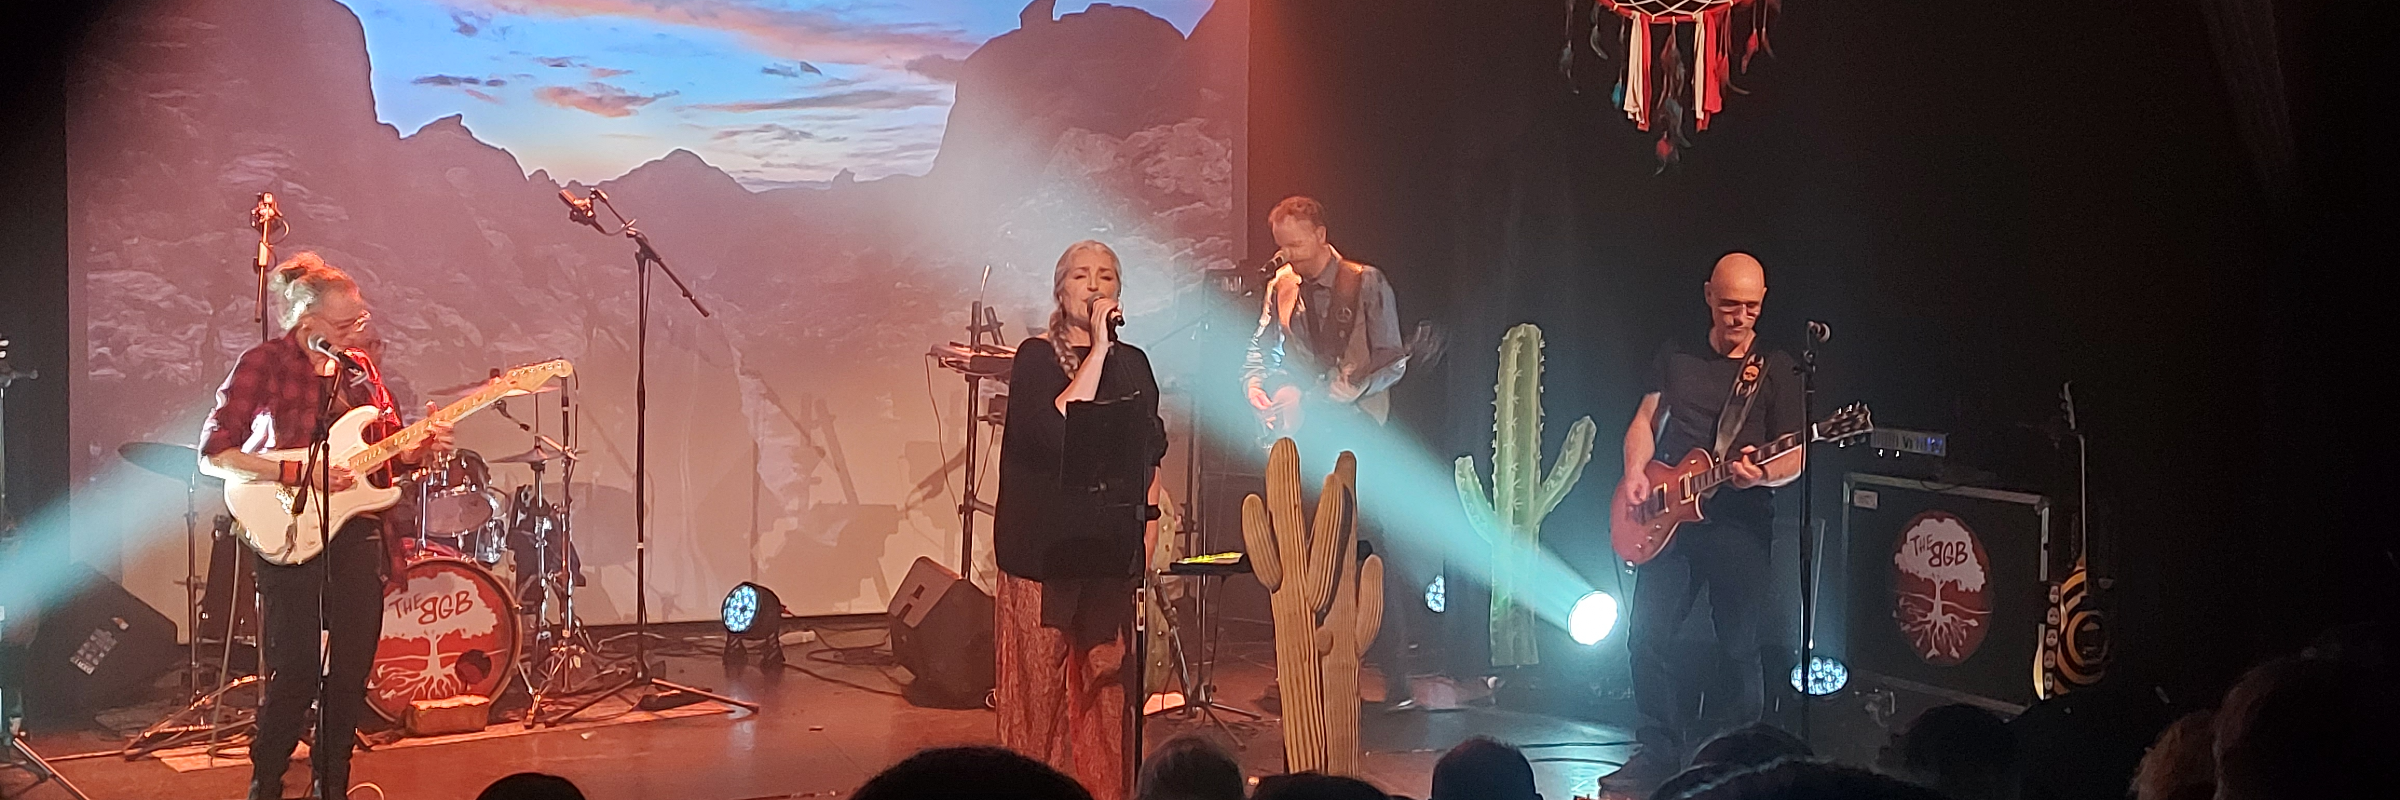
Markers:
<point>1511,517</point>
<point>1328,606</point>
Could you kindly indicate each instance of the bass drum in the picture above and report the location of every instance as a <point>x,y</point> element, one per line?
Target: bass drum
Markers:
<point>449,629</point>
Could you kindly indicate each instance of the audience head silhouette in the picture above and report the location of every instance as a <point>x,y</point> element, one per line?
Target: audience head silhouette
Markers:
<point>1190,767</point>
<point>1315,786</point>
<point>1810,780</point>
<point>1754,745</point>
<point>2180,766</point>
<point>531,786</point>
<point>1483,769</point>
<point>960,773</point>
<point>2305,727</point>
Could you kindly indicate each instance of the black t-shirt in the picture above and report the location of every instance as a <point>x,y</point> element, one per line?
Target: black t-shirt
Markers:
<point>1034,534</point>
<point>1693,381</point>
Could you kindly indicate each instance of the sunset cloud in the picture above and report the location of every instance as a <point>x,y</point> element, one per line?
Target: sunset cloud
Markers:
<point>878,99</point>
<point>938,67</point>
<point>816,34</point>
<point>770,132</point>
<point>457,80</point>
<point>597,98</point>
<point>791,70</point>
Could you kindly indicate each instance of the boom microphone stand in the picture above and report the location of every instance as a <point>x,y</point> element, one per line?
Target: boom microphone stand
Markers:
<point>1818,333</point>
<point>644,257</point>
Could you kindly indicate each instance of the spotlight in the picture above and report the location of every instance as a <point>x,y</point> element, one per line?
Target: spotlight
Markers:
<point>753,618</point>
<point>1437,595</point>
<point>1592,618</point>
<point>1825,676</point>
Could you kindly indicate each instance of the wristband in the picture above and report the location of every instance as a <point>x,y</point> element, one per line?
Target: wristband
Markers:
<point>289,473</point>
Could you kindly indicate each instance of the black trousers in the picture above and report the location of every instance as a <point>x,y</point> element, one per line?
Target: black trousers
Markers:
<point>1682,702</point>
<point>352,624</point>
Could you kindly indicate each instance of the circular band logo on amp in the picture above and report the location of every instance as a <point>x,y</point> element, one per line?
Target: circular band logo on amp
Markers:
<point>1940,596</point>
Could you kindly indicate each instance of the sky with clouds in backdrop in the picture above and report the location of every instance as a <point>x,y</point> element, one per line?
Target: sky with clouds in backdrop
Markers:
<point>774,92</point>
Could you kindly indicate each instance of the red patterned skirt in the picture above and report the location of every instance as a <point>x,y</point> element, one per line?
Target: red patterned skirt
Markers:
<point>1061,701</point>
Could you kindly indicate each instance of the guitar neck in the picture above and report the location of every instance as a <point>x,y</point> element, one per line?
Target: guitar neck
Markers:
<point>1713,476</point>
<point>376,454</point>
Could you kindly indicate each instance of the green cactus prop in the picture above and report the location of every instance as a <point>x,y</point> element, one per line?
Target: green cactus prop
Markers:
<point>1510,519</point>
<point>1328,607</point>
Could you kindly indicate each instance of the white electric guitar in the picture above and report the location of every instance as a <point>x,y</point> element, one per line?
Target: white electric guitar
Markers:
<point>286,525</point>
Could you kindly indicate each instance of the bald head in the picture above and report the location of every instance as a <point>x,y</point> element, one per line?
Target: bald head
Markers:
<point>1736,290</point>
<point>1738,272</point>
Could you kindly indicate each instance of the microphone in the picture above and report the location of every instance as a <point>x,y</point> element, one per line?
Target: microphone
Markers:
<point>1819,332</point>
<point>265,211</point>
<point>1279,261</point>
<point>579,211</point>
<point>348,357</point>
<point>1116,319</point>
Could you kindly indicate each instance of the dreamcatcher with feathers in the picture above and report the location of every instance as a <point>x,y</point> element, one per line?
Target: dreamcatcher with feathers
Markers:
<point>1676,60</point>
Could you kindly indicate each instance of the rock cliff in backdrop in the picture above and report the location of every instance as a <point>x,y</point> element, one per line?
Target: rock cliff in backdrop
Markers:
<point>1089,125</point>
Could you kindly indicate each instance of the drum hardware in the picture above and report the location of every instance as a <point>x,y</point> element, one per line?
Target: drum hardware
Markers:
<point>562,659</point>
<point>206,717</point>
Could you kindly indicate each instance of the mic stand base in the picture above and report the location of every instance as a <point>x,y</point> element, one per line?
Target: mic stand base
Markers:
<point>20,755</point>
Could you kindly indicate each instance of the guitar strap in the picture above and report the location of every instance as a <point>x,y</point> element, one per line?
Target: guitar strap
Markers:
<point>1336,323</point>
<point>1737,404</point>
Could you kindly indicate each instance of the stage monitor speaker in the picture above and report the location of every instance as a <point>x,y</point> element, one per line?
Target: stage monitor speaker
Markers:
<point>942,633</point>
<point>98,647</point>
<point>1945,588</point>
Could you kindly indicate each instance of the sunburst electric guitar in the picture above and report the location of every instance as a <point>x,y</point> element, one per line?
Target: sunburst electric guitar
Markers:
<point>284,523</point>
<point>1640,531</point>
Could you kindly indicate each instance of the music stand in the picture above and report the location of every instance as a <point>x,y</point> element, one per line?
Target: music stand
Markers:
<point>1102,471</point>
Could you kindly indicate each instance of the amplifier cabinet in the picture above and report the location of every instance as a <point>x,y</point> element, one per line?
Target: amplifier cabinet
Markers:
<point>1945,587</point>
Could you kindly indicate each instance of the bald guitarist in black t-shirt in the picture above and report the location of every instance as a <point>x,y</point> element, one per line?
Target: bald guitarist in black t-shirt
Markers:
<point>1692,382</point>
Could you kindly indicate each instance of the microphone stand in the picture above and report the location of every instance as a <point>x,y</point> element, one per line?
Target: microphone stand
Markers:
<point>662,694</point>
<point>1808,527</point>
<point>263,218</point>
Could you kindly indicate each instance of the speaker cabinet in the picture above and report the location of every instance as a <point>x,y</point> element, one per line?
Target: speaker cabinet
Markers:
<point>942,629</point>
<point>98,647</point>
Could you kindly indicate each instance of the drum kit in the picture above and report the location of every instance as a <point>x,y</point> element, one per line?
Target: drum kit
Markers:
<point>486,599</point>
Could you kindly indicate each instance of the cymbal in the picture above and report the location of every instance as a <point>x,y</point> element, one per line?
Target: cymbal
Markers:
<point>539,453</point>
<point>171,460</point>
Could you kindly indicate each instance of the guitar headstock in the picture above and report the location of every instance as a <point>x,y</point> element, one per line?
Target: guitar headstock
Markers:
<point>1848,424</point>
<point>530,377</point>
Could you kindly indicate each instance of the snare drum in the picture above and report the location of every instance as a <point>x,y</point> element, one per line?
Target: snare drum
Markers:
<point>449,629</point>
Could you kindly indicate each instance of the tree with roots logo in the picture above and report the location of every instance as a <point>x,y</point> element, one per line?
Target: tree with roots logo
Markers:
<point>1939,574</point>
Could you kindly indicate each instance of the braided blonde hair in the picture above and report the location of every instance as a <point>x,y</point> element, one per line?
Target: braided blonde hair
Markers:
<point>303,279</point>
<point>1067,359</point>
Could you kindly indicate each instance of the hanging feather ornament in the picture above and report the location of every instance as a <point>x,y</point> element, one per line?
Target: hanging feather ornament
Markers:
<point>1663,87</point>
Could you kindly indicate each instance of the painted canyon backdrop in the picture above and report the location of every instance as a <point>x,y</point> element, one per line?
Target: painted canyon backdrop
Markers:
<point>837,181</point>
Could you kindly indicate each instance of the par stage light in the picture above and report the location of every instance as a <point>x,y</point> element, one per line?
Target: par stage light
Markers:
<point>1437,595</point>
<point>1593,618</point>
<point>1825,676</point>
<point>753,618</point>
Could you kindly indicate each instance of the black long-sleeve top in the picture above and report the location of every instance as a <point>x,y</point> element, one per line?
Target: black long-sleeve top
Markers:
<point>1033,530</point>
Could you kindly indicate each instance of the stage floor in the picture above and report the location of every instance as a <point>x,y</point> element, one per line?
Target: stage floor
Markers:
<point>816,738</point>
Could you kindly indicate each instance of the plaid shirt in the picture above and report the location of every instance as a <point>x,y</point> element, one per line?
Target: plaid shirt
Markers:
<point>270,400</point>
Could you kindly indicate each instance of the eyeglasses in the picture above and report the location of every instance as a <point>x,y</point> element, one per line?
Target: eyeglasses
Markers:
<point>354,325</point>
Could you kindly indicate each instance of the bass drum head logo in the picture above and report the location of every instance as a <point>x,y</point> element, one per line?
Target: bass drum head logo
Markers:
<point>449,630</point>
<point>1940,588</point>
